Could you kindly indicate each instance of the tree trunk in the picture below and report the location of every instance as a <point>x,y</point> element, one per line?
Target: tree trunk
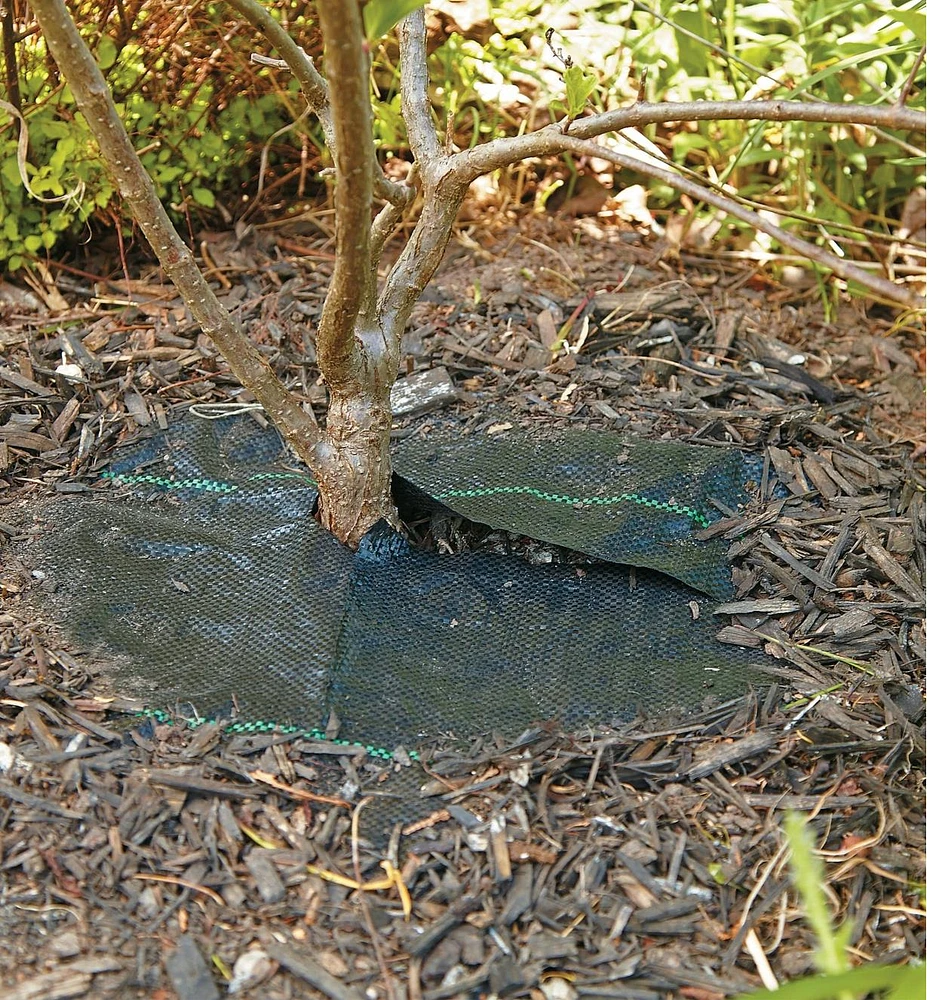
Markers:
<point>352,461</point>
<point>354,471</point>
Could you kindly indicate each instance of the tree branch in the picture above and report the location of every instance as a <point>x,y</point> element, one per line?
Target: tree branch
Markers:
<point>311,82</point>
<point>842,268</point>
<point>355,159</point>
<point>93,98</point>
<point>499,153</point>
<point>314,88</point>
<point>384,225</point>
<point>422,255</point>
<point>416,107</point>
<point>912,76</point>
<point>443,190</point>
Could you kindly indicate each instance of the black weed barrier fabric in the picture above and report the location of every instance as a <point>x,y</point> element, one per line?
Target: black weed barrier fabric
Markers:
<point>638,503</point>
<point>202,572</point>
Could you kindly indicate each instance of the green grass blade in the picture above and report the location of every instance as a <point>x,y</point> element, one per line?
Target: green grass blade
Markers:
<point>906,982</point>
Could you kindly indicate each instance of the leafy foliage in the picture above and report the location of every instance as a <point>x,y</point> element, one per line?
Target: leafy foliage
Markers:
<point>199,135</point>
<point>579,88</point>
<point>202,114</point>
<point>687,50</point>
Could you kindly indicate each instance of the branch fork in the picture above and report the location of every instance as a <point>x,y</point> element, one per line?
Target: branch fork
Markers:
<point>361,325</point>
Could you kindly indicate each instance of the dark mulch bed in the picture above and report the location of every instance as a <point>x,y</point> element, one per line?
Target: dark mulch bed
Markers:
<point>141,859</point>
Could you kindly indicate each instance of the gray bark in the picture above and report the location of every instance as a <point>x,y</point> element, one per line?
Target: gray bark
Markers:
<point>96,104</point>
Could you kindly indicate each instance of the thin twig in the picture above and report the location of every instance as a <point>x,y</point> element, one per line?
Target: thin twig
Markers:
<point>443,188</point>
<point>498,153</point>
<point>384,225</point>
<point>844,269</point>
<point>909,83</point>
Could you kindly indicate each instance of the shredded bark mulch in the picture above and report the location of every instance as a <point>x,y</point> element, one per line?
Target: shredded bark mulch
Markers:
<point>141,859</point>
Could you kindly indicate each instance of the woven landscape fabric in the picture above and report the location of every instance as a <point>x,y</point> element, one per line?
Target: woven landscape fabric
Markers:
<point>197,569</point>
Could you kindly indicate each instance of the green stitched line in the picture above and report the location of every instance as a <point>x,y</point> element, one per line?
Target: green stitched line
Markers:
<point>217,486</point>
<point>209,485</point>
<point>593,501</point>
<point>265,726</point>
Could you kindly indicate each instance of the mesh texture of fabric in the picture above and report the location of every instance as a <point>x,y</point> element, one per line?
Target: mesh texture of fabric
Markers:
<point>203,572</point>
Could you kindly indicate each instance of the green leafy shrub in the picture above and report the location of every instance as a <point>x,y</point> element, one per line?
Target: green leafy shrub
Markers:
<point>199,126</point>
<point>201,113</point>
<point>693,50</point>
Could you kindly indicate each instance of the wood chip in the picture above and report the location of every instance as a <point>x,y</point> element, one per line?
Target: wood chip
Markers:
<point>189,973</point>
<point>715,757</point>
<point>269,884</point>
<point>65,419</point>
<point>71,980</point>
<point>10,791</point>
<point>304,966</point>
<point>806,571</point>
<point>886,563</point>
<point>136,406</point>
<point>765,606</point>
<point>23,383</point>
<point>671,298</point>
<point>817,473</point>
<point>202,786</point>
<point>26,440</point>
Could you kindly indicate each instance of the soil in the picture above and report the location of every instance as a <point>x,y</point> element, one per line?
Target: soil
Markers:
<point>145,859</point>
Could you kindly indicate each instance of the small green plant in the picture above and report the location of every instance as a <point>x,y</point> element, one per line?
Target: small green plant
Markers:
<point>837,980</point>
<point>202,136</point>
<point>199,146</point>
<point>579,88</point>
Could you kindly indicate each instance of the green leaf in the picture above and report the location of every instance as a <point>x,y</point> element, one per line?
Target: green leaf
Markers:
<point>106,52</point>
<point>33,243</point>
<point>10,171</point>
<point>913,20</point>
<point>203,196</point>
<point>909,985</point>
<point>808,876</point>
<point>52,129</point>
<point>578,88</point>
<point>905,981</point>
<point>381,15</point>
<point>760,156</point>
